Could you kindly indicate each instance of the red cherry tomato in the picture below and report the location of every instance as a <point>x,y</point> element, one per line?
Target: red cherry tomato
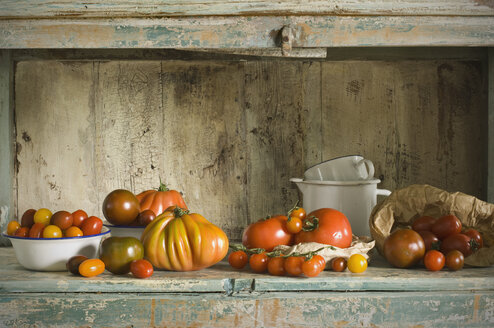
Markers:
<point>78,217</point>
<point>294,225</point>
<point>238,259</point>
<point>259,262</point>
<point>22,232</point>
<point>455,260</point>
<point>321,260</point>
<point>91,226</point>
<point>476,236</point>
<point>457,241</point>
<point>332,228</point>
<point>141,268</point>
<point>338,264</point>
<point>293,265</point>
<point>311,267</point>
<point>276,266</point>
<point>445,226</point>
<point>36,230</point>
<point>62,219</point>
<point>434,260</point>
<point>91,267</point>
<point>267,233</point>
<point>423,223</point>
<point>430,240</point>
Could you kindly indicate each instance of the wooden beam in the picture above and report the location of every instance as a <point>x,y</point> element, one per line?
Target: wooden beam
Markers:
<point>6,141</point>
<point>248,32</point>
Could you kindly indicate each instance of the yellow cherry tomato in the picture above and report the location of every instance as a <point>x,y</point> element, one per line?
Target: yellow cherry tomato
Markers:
<point>52,231</point>
<point>12,227</point>
<point>73,232</point>
<point>43,215</point>
<point>357,263</point>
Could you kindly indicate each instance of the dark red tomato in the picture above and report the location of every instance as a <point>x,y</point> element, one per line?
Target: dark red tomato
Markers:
<point>276,266</point>
<point>27,219</point>
<point>36,230</point>
<point>430,240</point>
<point>74,262</point>
<point>78,217</point>
<point>259,262</point>
<point>455,260</point>
<point>338,264</point>
<point>121,207</point>
<point>141,268</point>
<point>404,248</point>
<point>22,232</point>
<point>62,219</point>
<point>145,217</point>
<point>423,223</point>
<point>331,228</point>
<point>91,226</point>
<point>445,226</point>
<point>311,267</point>
<point>459,242</point>
<point>476,237</point>
<point>238,259</point>
<point>267,233</point>
<point>434,260</point>
<point>293,265</point>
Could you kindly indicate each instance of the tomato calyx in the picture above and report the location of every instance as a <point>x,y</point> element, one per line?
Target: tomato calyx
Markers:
<point>179,212</point>
<point>436,245</point>
<point>310,224</point>
<point>474,245</point>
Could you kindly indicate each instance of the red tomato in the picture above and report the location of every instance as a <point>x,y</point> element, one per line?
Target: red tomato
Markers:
<point>276,266</point>
<point>27,219</point>
<point>141,268</point>
<point>293,265</point>
<point>91,267</point>
<point>62,219</point>
<point>36,230</point>
<point>457,241</point>
<point>259,262</point>
<point>445,226</point>
<point>321,260</point>
<point>338,264</point>
<point>297,212</point>
<point>455,260</point>
<point>311,267</point>
<point>404,248</point>
<point>78,217</point>
<point>476,236</point>
<point>423,223</point>
<point>145,217</point>
<point>294,224</point>
<point>22,232</point>
<point>267,233</point>
<point>332,228</point>
<point>430,240</point>
<point>238,259</point>
<point>434,260</point>
<point>91,226</point>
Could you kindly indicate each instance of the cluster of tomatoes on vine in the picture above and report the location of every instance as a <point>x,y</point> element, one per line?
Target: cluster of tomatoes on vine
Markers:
<point>437,242</point>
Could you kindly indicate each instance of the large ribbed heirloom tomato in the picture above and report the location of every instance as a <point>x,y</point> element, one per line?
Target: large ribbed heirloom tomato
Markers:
<point>326,226</point>
<point>181,241</point>
<point>159,200</point>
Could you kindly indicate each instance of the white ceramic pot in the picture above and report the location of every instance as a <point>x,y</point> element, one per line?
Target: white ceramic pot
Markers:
<point>355,199</point>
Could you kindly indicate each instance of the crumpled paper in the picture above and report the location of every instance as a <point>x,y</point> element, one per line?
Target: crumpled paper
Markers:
<point>405,205</point>
<point>359,245</point>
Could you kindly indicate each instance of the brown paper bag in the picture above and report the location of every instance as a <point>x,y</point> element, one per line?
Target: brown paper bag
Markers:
<point>405,205</point>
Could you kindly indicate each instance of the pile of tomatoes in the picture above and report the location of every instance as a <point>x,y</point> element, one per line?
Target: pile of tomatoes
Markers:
<point>42,223</point>
<point>438,242</point>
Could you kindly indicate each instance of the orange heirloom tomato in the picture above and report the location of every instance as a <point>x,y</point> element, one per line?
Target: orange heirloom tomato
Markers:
<point>331,228</point>
<point>91,267</point>
<point>267,233</point>
<point>159,200</point>
<point>181,241</point>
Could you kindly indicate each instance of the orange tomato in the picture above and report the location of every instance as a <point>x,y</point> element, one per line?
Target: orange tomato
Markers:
<point>12,227</point>
<point>52,231</point>
<point>159,200</point>
<point>91,267</point>
<point>73,232</point>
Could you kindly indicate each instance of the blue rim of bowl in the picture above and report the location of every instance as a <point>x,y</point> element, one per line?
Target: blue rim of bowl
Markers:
<point>109,226</point>
<point>63,238</point>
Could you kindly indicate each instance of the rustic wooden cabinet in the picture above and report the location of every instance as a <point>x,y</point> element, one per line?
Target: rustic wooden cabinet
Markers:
<point>227,101</point>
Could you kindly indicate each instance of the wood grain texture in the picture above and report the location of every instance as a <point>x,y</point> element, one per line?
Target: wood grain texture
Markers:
<point>247,32</point>
<point>490,142</point>
<point>155,8</point>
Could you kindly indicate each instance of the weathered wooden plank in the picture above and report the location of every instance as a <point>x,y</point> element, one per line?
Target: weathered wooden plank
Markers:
<point>412,121</point>
<point>490,140</point>
<point>155,8</point>
<point>316,309</point>
<point>55,136</point>
<point>247,32</point>
<point>204,139</point>
<point>6,141</point>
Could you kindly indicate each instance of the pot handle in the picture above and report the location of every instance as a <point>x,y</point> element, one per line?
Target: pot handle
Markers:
<point>383,192</point>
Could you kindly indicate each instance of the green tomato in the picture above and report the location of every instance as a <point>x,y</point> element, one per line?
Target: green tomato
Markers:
<point>118,252</point>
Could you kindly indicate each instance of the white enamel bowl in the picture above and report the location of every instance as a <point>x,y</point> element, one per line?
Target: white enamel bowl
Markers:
<point>52,254</point>
<point>125,231</point>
